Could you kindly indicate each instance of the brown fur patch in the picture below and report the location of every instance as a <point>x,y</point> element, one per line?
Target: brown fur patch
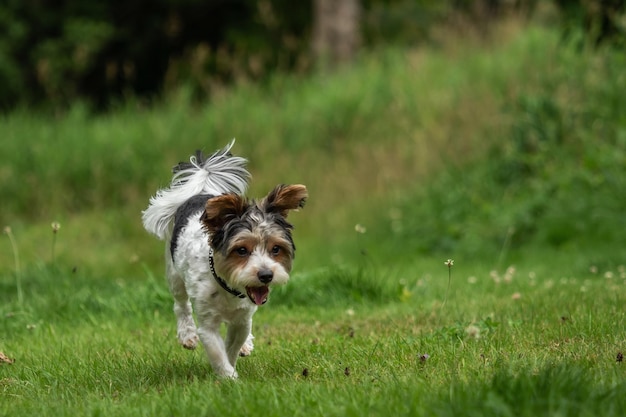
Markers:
<point>284,198</point>
<point>221,209</point>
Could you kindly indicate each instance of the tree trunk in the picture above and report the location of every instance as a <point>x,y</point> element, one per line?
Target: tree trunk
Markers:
<point>336,35</point>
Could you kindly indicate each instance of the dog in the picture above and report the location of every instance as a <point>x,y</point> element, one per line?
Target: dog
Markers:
<point>223,251</point>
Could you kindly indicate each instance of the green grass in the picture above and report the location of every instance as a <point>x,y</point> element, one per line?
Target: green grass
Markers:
<point>534,341</point>
<point>508,157</point>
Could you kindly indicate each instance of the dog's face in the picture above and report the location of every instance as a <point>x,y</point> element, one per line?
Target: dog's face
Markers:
<point>252,242</point>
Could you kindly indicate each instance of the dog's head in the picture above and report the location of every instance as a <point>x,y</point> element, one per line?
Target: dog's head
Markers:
<point>251,240</point>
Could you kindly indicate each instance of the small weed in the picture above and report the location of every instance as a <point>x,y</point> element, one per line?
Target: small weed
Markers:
<point>56,226</point>
<point>449,264</point>
<point>16,263</point>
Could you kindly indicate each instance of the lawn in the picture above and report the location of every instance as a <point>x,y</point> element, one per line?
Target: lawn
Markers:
<point>528,340</point>
<point>507,156</point>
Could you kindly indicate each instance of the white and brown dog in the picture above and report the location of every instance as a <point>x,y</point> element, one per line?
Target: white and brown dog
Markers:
<point>223,251</point>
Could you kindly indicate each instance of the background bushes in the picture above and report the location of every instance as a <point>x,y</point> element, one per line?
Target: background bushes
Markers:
<point>59,51</point>
<point>55,52</point>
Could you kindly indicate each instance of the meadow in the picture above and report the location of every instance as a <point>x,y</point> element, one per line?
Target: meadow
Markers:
<point>506,155</point>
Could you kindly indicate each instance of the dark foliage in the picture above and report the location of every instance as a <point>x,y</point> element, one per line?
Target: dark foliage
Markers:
<point>54,52</point>
<point>599,20</point>
<point>61,50</point>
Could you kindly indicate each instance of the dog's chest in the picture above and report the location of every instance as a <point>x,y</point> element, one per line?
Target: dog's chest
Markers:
<point>210,299</point>
<point>225,309</point>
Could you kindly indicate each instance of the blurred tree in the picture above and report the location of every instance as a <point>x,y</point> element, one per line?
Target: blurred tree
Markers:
<point>336,31</point>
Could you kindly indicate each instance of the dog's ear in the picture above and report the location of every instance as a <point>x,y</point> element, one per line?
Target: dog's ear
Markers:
<point>284,198</point>
<point>221,209</point>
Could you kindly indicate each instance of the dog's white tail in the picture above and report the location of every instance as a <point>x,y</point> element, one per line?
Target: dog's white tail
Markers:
<point>221,173</point>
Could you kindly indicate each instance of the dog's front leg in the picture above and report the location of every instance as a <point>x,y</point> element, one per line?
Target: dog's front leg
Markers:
<point>236,336</point>
<point>216,350</point>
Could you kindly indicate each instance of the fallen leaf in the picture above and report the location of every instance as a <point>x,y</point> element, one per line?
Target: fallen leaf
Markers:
<point>5,359</point>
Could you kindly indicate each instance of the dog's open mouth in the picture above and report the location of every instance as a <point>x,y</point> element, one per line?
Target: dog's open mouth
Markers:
<point>258,295</point>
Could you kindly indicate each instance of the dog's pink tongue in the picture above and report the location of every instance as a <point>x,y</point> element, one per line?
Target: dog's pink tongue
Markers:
<point>258,294</point>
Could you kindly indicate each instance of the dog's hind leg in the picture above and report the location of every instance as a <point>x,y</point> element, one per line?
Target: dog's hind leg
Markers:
<point>186,328</point>
<point>247,347</point>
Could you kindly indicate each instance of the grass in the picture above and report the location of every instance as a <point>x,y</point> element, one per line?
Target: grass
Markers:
<point>464,154</point>
<point>526,340</point>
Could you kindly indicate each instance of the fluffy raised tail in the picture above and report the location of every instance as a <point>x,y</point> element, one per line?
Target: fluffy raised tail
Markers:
<point>221,173</point>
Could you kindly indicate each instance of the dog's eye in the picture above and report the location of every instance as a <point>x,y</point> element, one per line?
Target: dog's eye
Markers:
<point>242,251</point>
<point>275,250</point>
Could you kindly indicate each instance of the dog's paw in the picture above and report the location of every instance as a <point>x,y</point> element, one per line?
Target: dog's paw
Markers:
<point>247,347</point>
<point>190,342</point>
<point>234,375</point>
<point>245,351</point>
<point>227,373</point>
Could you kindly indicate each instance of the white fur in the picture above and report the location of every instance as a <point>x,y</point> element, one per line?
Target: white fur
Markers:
<point>189,274</point>
<point>219,174</point>
<point>190,278</point>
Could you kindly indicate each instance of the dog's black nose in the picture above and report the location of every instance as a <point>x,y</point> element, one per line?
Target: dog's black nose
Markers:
<point>265,275</point>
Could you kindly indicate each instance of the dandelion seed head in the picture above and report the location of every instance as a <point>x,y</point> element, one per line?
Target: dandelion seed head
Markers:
<point>359,228</point>
<point>508,274</point>
<point>472,331</point>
